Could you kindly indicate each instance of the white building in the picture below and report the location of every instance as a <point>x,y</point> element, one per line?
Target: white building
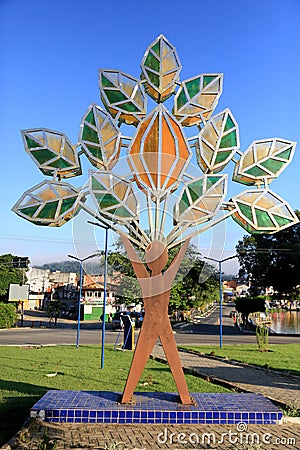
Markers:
<point>38,280</point>
<point>62,278</point>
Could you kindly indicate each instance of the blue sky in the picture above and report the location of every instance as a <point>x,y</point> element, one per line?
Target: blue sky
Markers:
<point>50,55</point>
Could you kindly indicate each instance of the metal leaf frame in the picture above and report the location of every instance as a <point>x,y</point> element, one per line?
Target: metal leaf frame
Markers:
<point>158,157</point>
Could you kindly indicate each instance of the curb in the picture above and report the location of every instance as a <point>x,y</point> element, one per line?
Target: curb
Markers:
<point>291,420</point>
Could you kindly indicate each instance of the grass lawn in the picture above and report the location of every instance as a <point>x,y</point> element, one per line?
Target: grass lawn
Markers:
<point>284,357</point>
<point>24,370</point>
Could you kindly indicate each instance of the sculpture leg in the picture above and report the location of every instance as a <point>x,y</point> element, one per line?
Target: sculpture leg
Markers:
<point>169,345</point>
<point>146,341</point>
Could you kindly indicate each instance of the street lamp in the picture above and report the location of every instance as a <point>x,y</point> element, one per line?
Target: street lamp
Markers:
<point>106,228</point>
<point>81,260</point>
<point>221,290</point>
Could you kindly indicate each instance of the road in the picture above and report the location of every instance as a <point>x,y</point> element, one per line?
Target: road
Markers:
<point>206,332</point>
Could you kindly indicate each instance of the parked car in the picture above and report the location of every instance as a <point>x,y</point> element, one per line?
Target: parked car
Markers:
<point>116,321</point>
<point>196,319</point>
<point>138,318</point>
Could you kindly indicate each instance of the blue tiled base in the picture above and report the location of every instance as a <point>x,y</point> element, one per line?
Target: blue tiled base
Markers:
<point>155,407</point>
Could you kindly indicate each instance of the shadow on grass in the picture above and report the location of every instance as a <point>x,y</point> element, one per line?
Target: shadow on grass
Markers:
<point>17,399</point>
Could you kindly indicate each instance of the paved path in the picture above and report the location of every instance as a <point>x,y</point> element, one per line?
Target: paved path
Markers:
<point>283,389</point>
<point>146,437</point>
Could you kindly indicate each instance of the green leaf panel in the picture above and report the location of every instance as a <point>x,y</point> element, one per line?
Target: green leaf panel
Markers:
<point>90,118</point>
<point>153,78</point>
<point>193,87</point>
<point>106,82</point>
<point>246,211</point>
<point>184,203</point>
<point>229,124</point>
<point>181,99</point>
<point>263,218</point>
<point>31,143</point>
<point>196,188</point>
<point>222,156</point>
<point>282,221</point>
<point>212,180</point>
<point>97,186</point>
<point>257,172</point>
<point>121,211</point>
<point>95,151</point>
<point>90,135</point>
<point>156,48</point>
<point>286,154</point>
<point>273,165</point>
<point>30,210</point>
<point>67,204</point>
<point>60,164</point>
<point>208,79</point>
<point>152,62</point>
<point>129,107</point>
<point>108,200</point>
<point>229,140</point>
<point>43,156</point>
<point>49,210</point>
<point>115,96</point>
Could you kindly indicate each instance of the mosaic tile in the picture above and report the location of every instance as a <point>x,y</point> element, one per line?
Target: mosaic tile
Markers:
<point>155,407</point>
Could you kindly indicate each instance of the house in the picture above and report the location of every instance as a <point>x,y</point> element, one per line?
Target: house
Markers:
<point>38,280</point>
<point>93,296</point>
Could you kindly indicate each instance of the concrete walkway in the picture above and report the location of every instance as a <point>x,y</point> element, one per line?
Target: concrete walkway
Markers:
<point>146,437</point>
<point>283,389</point>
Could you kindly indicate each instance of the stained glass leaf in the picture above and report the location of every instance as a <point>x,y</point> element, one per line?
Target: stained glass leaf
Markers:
<point>262,211</point>
<point>100,138</point>
<point>123,96</point>
<point>197,98</point>
<point>52,152</point>
<point>200,200</point>
<point>217,142</point>
<point>50,203</point>
<point>160,69</point>
<point>113,196</point>
<point>264,159</point>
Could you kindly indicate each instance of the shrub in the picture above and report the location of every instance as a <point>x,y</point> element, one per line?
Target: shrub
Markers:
<point>248,305</point>
<point>8,315</point>
<point>262,337</point>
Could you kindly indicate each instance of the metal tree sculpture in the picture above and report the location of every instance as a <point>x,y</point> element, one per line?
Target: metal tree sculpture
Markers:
<point>158,157</point>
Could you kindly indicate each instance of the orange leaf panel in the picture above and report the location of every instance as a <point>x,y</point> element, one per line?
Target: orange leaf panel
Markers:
<point>167,79</point>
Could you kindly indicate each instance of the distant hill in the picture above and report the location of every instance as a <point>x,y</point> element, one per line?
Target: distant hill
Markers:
<point>72,266</point>
<point>229,276</point>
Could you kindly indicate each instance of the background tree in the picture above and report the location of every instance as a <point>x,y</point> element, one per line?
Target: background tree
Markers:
<point>127,287</point>
<point>249,305</point>
<point>55,308</point>
<point>272,260</point>
<point>8,315</point>
<point>9,275</point>
<point>91,267</point>
<point>187,291</point>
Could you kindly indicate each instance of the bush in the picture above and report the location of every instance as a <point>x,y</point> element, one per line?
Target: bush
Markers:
<point>262,337</point>
<point>8,315</point>
<point>248,305</point>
